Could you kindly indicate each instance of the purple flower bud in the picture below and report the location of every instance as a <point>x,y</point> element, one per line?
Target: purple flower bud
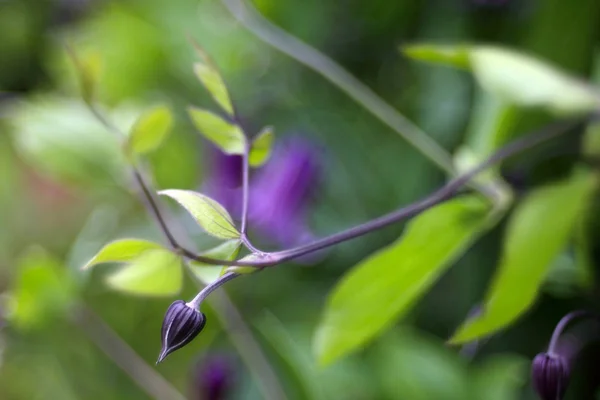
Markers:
<point>550,375</point>
<point>181,325</point>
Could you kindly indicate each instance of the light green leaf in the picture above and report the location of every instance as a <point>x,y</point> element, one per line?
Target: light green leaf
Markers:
<point>153,273</point>
<point>536,233</point>
<point>516,77</point>
<point>210,77</point>
<point>457,56</point>
<point>43,290</point>
<point>227,136</point>
<point>384,286</point>
<point>88,66</point>
<point>122,250</point>
<point>150,130</point>
<point>208,273</point>
<point>209,214</point>
<point>261,147</point>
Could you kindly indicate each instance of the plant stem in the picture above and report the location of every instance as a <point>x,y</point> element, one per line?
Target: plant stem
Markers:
<point>444,193</point>
<point>208,289</point>
<point>562,324</point>
<point>245,186</point>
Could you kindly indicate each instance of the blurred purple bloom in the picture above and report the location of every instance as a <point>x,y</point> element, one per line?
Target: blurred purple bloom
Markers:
<point>279,191</point>
<point>214,378</point>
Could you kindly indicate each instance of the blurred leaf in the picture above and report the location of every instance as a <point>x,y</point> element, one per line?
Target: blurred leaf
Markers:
<point>383,287</point>
<point>456,56</point>
<point>209,214</point>
<point>420,368</point>
<point>591,140</point>
<point>210,77</point>
<point>153,273</point>
<point>150,130</point>
<point>208,273</point>
<point>122,250</point>
<point>227,136</point>
<point>88,67</point>
<point>517,78</point>
<point>499,378</point>
<point>60,138</point>
<point>43,290</point>
<point>537,231</point>
<point>582,248</point>
<point>261,147</point>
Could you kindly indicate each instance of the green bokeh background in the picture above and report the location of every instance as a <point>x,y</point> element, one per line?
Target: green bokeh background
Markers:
<point>64,191</point>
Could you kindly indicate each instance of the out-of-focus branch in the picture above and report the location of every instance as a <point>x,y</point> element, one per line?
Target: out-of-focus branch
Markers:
<point>151,382</point>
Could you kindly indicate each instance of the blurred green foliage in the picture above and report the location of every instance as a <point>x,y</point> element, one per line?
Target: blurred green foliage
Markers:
<point>66,191</point>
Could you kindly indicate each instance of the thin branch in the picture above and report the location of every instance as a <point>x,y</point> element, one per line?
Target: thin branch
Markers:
<point>362,94</point>
<point>151,382</point>
<point>444,193</point>
<point>208,289</point>
<point>245,186</point>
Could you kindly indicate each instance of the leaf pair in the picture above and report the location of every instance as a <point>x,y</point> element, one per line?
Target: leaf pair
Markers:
<point>225,133</point>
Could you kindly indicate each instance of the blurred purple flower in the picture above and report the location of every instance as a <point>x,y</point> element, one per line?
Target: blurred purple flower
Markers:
<point>214,378</point>
<point>279,191</point>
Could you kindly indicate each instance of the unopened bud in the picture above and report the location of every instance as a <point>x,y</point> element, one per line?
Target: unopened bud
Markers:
<point>550,375</point>
<point>182,323</point>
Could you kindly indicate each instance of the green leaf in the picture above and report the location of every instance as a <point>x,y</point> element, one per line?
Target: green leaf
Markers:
<point>261,147</point>
<point>43,290</point>
<point>499,378</point>
<point>153,273</point>
<point>516,78</point>
<point>123,250</point>
<point>150,130</point>
<point>88,67</point>
<point>210,77</point>
<point>208,273</point>
<point>227,136</point>
<point>383,287</point>
<point>209,214</point>
<point>537,231</point>
<point>456,56</point>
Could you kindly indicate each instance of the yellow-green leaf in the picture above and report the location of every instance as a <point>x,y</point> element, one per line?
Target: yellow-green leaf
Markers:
<point>515,77</point>
<point>122,250</point>
<point>88,66</point>
<point>537,231</point>
<point>153,273</point>
<point>383,287</point>
<point>210,77</point>
<point>226,135</point>
<point>209,214</point>
<point>208,273</point>
<point>261,147</point>
<point>150,130</point>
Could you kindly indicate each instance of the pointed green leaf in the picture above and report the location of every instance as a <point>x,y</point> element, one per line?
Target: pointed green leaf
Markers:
<point>515,77</point>
<point>208,273</point>
<point>150,130</point>
<point>153,273</point>
<point>88,66</point>
<point>210,77</point>
<point>227,136</point>
<point>123,250</point>
<point>209,214</point>
<point>456,56</point>
<point>537,231</point>
<point>383,287</point>
<point>261,147</point>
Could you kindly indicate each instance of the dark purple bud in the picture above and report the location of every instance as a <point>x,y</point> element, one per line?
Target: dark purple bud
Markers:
<point>214,378</point>
<point>181,325</point>
<point>550,375</point>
